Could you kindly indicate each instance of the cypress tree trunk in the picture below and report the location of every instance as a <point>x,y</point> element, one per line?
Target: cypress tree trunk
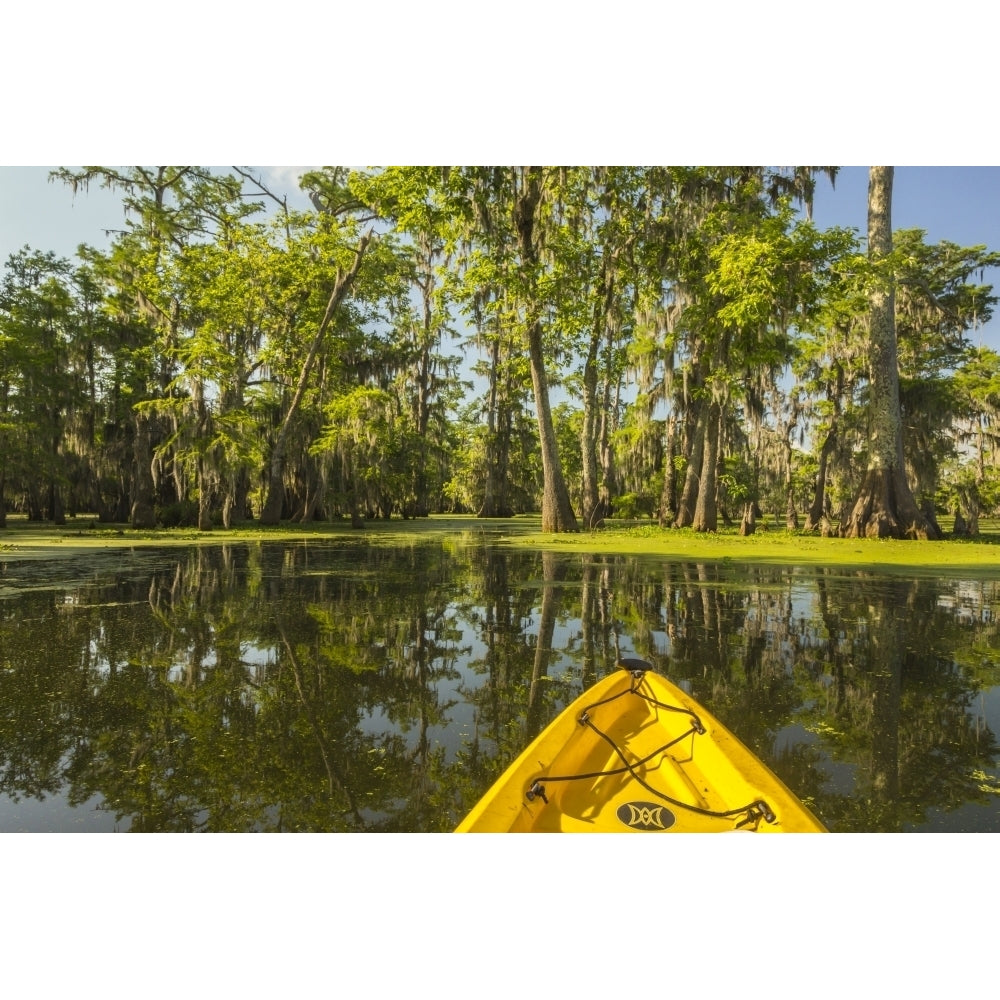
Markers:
<point>204,498</point>
<point>557,512</point>
<point>692,476</point>
<point>607,477</point>
<point>593,507</point>
<point>791,513</point>
<point>57,511</point>
<point>885,507</point>
<point>273,505</point>
<point>816,511</point>
<point>668,497</point>
<point>235,509</point>
<point>706,509</point>
<point>142,514</point>
<point>590,501</point>
<point>498,430</point>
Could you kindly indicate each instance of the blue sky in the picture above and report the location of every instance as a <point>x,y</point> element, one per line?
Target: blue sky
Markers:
<point>955,203</point>
<point>48,216</point>
<point>958,204</point>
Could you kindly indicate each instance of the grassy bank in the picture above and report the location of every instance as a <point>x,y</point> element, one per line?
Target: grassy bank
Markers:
<point>23,540</point>
<point>980,557</point>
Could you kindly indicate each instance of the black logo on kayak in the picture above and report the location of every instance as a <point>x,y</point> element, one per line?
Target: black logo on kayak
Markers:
<point>645,816</point>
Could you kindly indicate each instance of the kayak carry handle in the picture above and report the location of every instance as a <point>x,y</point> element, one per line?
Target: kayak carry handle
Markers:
<point>536,791</point>
<point>634,664</point>
<point>766,811</point>
<point>756,812</point>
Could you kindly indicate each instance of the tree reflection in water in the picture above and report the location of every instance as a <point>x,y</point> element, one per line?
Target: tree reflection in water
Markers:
<point>349,686</point>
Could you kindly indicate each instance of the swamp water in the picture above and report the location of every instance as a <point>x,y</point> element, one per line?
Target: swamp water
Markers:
<point>351,685</point>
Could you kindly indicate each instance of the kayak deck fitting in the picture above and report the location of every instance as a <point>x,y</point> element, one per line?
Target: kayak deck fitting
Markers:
<point>634,753</point>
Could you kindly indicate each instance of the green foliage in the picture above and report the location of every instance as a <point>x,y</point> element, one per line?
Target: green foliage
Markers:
<point>474,459</point>
<point>182,514</point>
<point>163,370</point>
<point>630,506</point>
<point>970,490</point>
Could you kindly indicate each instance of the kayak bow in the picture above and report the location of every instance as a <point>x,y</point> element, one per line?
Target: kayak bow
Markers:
<point>636,753</point>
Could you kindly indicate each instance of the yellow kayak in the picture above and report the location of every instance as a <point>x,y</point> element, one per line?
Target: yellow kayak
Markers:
<point>635,753</point>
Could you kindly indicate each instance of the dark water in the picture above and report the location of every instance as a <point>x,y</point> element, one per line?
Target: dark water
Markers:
<point>351,686</point>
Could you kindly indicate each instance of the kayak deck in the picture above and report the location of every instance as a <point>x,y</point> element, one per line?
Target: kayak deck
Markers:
<point>634,753</point>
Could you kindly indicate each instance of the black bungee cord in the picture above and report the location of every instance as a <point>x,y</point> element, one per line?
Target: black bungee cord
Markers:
<point>637,668</point>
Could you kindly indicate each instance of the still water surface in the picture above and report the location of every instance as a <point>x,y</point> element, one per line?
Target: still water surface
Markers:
<point>348,685</point>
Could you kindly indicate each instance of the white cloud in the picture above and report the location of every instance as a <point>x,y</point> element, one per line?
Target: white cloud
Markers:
<point>284,178</point>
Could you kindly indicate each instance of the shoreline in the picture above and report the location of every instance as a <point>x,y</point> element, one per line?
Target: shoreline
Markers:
<point>31,541</point>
